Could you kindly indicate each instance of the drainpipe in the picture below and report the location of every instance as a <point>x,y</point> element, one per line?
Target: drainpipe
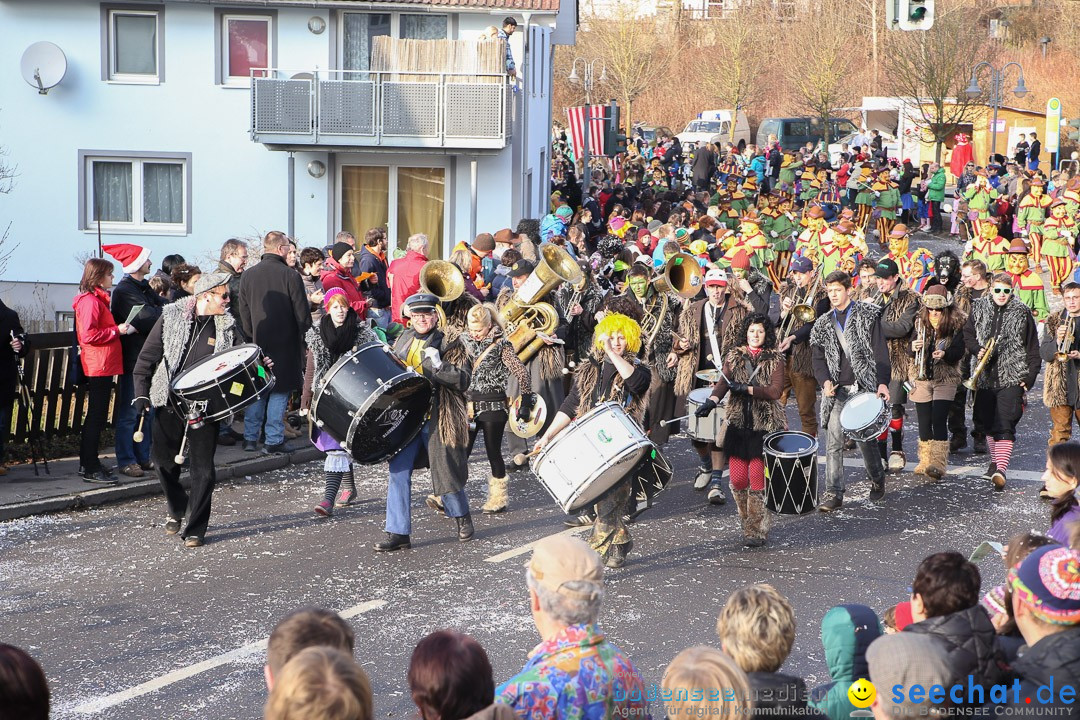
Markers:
<point>292,196</point>
<point>472,193</point>
<point>526,210</point>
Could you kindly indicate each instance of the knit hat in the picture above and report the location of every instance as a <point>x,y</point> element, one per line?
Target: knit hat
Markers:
<point>484,242</point>
<point>565,212</point>
<point>740,261</point>
<point>907,659</point>
<point>654,225</point>
<point>1048,582</point>
<point>994,601</point>
<point>331,293</point>
<point>903,615</point>
<point>936,297</point>
<point>209,281</point>
<point>338,251</point>
<point>130,257</point>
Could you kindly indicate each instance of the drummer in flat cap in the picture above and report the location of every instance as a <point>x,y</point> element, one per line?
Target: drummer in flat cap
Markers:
<point>188,330</point>
<point>424,348</point>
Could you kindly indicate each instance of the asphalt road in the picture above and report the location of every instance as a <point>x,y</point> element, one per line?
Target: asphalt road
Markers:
<point>129,624</point>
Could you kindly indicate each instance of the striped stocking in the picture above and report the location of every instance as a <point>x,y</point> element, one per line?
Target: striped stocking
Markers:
<point>1001,453</point>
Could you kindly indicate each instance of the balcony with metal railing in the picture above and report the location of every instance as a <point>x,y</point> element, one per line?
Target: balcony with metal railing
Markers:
<point>343,108</point>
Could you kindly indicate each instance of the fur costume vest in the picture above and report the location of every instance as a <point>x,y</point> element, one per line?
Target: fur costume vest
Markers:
<point>579,341</point>
<point>1055,386</point>
<point>764,415</point>
<point>489,376</point>
<point>321,355</point>
<point>943,372</point>
<point>902,301</point>
<point>661,319</point>
<point>1010,354</point>
<point>177,323</point>
<point>551,357</point>
<point>587,377</point>
<point>858,332</point>
<point>800,359</point>
<point>690,329</point>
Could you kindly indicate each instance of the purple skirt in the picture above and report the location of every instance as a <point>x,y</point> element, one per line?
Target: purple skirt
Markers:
<point>323,441</point>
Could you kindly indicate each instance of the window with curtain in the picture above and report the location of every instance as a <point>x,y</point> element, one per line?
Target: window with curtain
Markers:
<point>359,31</point>
<point>365,198</point>
<point>133,52</point>
<point>136,194</point>
<point>247,40</point>
<point>421,199</point>
<point>422,27</point>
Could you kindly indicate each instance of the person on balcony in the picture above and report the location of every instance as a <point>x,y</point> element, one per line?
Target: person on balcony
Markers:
<point>509,25</point>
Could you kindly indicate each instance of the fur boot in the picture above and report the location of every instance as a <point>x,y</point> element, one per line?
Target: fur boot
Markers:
<point>757,521</point>
<point>939,459</point>
<point>924,457</point>
<point>498,496</point>
<point>740,504</point>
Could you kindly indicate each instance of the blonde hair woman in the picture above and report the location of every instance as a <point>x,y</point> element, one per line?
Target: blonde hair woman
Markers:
<point>320,683</point>
<point>703,682</point>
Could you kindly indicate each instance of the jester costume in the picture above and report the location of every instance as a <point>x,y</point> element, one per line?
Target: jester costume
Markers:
<point>834,254</point>
<point>1059,230</point>
<point>1027,284</point>
<point>1030,216</point>
<point>916,266</point>
<point>887,195</point>
<point>989,247</point>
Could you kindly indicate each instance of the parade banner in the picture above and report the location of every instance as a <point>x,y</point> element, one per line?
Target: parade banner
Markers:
<point>576,129</point>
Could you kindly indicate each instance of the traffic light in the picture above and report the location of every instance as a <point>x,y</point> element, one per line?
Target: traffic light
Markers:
<point>912,14</point>
<point>614,139</point>
<point>1074,130</point>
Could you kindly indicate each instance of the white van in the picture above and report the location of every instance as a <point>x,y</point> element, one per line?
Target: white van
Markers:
<point>715,126</point>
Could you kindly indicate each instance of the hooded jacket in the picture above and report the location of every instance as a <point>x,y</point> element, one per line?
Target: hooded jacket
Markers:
<point>846,633</point>
<point>969,642</point>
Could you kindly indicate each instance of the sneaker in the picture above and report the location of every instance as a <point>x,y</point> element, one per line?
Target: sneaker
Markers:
<point>616,556</point>
<point>998,479</point>
<point>831,503</point>
<point>990,470</point>
<point>585,519</point>
<point>704,475</point>
<point>393,542</point>
<point>172,526</point>
<point>99,477</point>
<point>147,466</point>
<point>897,461</point>
<point>250,446</point>
<point>346,498</point>
<point>958,442</point>
<point>716,494</point>
<point>277,449</point>
<point>193,541</point>
<point>325,509</point>
<point>132,471</point>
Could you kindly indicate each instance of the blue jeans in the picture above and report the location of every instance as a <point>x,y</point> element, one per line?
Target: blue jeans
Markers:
<point>129,452</point>
<point>399,494</point>
<point>379,316</point>
<point>272,409</point>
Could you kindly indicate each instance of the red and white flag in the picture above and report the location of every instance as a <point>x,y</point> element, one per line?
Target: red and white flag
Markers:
<point>576,126</point>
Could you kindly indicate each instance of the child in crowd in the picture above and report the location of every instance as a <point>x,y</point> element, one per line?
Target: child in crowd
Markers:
<point>997,602</point>
<point>1061,477</point>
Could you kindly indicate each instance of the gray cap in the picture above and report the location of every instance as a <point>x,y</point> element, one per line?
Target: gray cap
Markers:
<point>209,281</point>
<point>907,659</point>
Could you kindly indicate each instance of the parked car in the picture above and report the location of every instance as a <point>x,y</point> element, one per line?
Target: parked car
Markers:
<point>715,126</point>
<point>793,133</point>
<point>888,142</point>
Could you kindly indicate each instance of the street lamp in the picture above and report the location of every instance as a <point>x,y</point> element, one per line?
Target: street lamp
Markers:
<point>1044,41</point>
<point>997,92</point>
<point>588,73</point>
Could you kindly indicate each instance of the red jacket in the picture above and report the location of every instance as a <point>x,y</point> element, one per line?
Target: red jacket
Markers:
<point>406,273</point>
<point>99,338</point>
<point>338,277</point>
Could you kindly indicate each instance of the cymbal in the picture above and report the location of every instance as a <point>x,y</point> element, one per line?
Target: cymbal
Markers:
<point>711,376</point>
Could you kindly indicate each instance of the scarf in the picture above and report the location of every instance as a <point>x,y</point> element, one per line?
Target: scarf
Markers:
<point>339,340</point>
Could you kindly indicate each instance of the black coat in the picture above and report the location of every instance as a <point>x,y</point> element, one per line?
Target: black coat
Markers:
<point>778,695</point>
<point>1054,662</point>
<point>9,371</point>
<point>234,290</point>
<point>128,293</point>
<point>274,315</point>
<point>969,642</point>
<point>704,165</point>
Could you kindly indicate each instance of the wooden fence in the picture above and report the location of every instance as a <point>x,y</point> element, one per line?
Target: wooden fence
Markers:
<point>56,406</point>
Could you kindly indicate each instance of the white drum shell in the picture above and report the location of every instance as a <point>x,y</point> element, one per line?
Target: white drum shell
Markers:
<point>864,417</point>
<point>707,428</point>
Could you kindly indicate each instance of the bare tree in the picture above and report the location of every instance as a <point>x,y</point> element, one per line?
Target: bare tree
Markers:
<point>7,184</point>
<point>820,78</point>
<point>739,50</point>
<point>930,71</point>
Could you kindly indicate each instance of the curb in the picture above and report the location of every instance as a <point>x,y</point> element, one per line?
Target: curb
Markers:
<point>144,488</point>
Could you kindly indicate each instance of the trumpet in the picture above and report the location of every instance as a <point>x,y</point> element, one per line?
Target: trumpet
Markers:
<point>922,353</point>
<point>803,310</point>
<point>988,351</point>
<point>1066,343</point>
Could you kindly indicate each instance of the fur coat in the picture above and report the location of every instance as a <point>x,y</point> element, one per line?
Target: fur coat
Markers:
<point>321,355</point>
<point>898,315</point>
<point>858,332</point>
<point>800,358</point>
<point>1055,384</point>
<point>656,349</point>
<point>491,370</point>
<point>1010,365</point>
<point>946,371</point>
<point>765,415</point>
<point>587,376</point>
<point>690,329</point>
<point>177,321</point>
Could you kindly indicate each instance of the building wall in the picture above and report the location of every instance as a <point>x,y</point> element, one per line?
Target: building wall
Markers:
<point>239,188</point>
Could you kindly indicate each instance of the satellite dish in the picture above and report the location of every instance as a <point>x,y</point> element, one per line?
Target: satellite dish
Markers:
<point>43,66</point>
<point>303,76</point>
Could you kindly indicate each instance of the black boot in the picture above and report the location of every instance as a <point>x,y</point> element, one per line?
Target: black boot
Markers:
<point>980,445</point>
<point>465,529</point>
<point>393,542</point>
<point>877,490</point>
<point>958,442</point>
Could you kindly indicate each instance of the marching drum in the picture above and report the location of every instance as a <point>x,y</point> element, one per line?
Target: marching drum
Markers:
<point>707,428</point>
<point>865,417</point>
<point>371,403</point>
<point>223,383</point>
<point>791,486</point>
<point>590,457</point>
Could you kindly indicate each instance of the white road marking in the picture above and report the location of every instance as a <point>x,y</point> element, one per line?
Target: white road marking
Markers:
<point>103,703</point>
<point>509,554</point>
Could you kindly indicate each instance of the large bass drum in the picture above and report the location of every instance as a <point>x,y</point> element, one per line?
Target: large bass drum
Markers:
<point>371,403</point>
<point>791,472</point>
<point>589,458</point>
<point>224,383</point>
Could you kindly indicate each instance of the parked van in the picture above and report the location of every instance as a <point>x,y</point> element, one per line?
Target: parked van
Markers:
<point>715,126</point>
<point>793,133</point>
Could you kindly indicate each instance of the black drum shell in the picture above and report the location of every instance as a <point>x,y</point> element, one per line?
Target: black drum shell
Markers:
<point>791,472</point>
<point>356,392</point>
<point>220,401</point>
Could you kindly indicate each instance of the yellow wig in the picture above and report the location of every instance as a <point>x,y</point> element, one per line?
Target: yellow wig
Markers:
<point>621,324</point>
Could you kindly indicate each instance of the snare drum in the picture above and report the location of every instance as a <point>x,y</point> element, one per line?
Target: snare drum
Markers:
<point>371,403</point>
<point>588,459</point>
<point>224,383</point>
<point>707,428</point>
<point>865,417</point>
<point>791,486</point>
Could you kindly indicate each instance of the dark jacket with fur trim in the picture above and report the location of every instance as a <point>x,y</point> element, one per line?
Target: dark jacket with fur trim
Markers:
<point>898,326</point>
<point>761,411</point>
<point>1016,353</point>
<point>321,355</point>
<point>945,371</point>
<point>799,357</point>
<point>859,331</point>
<point>691,325</point>
<point>1060,378</point>
<point>583,396</point>
<point>448,444</point>
<point>492,368</point>
<point>161,355</point>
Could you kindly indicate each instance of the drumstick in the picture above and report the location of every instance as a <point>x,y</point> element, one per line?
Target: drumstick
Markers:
<point>520,458</point>
<point>674,420</point>
<point>138,436</point>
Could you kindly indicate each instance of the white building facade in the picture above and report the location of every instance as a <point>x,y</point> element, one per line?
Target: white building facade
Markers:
<point>166,131</point>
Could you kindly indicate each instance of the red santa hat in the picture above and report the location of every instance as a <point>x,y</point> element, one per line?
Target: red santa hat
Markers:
<point>130,257</point>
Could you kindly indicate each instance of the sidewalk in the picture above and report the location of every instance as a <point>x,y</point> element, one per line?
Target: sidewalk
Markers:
<point>23,494</point>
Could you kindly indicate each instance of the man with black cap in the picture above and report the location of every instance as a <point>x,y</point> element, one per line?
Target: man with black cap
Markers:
<point>796,289</point>
<point>187,331</point>
<point>899,308</point>
<point>849,357</point>
<point>425,349</point>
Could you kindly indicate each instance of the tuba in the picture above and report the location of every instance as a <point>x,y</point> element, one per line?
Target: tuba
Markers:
<point>523,315</point>
<point>681,275</point>
<point>534,320</point>
<point>445,281</point>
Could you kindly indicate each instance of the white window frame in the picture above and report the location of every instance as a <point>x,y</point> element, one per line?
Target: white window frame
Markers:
<point>137,226</point>
<point>395,27</point>
<point>237,81</point>
<point>108,58</point>
<point>392,194</point>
